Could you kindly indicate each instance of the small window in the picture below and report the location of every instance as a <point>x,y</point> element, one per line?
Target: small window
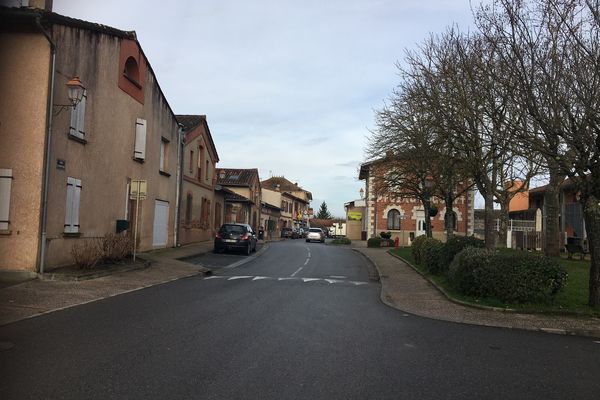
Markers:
<point>188,209</point>
<point>393,220</point>
<point>72,205</point>
<point>77,127</point>
<point>132,71</point>
<point>191,161</point>
<point>164,147</point>
<point>5,187</point>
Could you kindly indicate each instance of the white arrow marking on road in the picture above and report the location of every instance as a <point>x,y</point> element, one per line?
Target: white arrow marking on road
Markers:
<point>359,283</point>
<point>333,281</point>
<point>214,277</point>
<point>258,278</point>
<point>310,279</point>
<point>238,277</point>
<point>287,279</point>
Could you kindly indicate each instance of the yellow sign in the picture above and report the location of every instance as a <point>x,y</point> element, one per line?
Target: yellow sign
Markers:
<point>138,190</point>
<point>354,216</point>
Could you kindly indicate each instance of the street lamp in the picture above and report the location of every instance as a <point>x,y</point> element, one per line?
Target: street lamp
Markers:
<point>362,193</point>
<point>75,93</point>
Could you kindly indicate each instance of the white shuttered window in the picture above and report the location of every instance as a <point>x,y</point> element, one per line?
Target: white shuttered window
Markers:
<point>5,186</point>
<point>139,152</point>
<point>72,206</point>
<point>77,127</point>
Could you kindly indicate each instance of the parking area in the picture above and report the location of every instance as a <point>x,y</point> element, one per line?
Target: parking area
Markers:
<point>220,260</point>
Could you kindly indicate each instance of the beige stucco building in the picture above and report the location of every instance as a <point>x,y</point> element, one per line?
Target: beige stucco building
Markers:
<point>67,171</point>
<point>292,199</point>
<point>242,193</point>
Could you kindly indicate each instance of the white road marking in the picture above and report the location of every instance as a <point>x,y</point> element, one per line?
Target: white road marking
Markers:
<point>311,279</point>
<point>307,260</point>
<point>259,278</point>
<point>338,276</point>
<point>412,346</point>
<point>299,269</point>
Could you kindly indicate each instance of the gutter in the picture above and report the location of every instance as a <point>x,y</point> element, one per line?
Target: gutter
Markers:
<point>180,143</point>
<point>46,173</point>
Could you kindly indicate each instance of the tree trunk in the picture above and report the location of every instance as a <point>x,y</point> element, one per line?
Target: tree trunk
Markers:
<point>490,234</point>
<point>503,228</point>
<point>591,210</point>
<point>552,206</point>
<point>427,207</point>
<point>449,217</point>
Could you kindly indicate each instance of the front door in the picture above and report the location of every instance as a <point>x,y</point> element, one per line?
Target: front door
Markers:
<point>420,223</point>
<point>161,219</point>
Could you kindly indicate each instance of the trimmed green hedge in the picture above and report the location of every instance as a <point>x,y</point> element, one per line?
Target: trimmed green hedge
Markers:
<point>374,242</point>
<point>431,255</point>
<point>510,276</point>
<point>455,245</point>
<point>416,248</point>
<point>342,240</point>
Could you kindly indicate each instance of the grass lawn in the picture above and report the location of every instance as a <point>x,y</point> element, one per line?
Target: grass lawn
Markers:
<point>572,298</point>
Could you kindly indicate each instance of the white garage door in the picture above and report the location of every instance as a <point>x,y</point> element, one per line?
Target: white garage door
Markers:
<point>161,219</point>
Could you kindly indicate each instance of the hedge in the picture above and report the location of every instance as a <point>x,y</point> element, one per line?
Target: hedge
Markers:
<point>455,245</point>
<point>374,242</point>
<point>431,255</point>
<point>416,248</point>
<point>510,276</point>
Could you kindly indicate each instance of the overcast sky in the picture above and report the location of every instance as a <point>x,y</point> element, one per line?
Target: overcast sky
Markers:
<point>288,87</point>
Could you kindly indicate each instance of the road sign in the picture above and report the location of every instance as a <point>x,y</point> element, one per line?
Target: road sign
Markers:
<point>138,190</point>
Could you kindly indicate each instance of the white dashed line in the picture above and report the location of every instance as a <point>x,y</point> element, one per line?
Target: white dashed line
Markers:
<point>298,279</point>
<point>299,269</point>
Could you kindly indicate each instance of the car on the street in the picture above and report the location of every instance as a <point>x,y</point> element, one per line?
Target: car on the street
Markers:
<point>315,234</point>
<point>233,236</point>
<point>290,233</point>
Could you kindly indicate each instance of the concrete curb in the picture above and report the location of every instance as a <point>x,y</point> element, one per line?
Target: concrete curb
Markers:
<point>374,274</point>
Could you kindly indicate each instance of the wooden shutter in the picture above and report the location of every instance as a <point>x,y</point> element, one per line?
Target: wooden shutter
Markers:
<point>5,186</point>
<point>72,205</point>
<point>77,127</point>
<point>140,139</point>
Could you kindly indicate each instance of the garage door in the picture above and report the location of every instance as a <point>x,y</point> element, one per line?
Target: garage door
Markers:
<point>161,219</point>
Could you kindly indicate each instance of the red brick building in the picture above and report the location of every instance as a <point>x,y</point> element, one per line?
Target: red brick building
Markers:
<point>405,218</point>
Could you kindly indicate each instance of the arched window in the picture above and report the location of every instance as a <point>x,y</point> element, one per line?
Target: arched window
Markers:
<point>393,220</point>
<point>132,71</point>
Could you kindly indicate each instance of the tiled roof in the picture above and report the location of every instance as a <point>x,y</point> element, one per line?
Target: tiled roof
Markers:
<point>232,196</point>
<point>190,122</point>
<point>236,177</point>
<point>284,185</point>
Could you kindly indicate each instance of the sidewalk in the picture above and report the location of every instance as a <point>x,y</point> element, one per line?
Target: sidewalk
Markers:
<point>405,289</point>
<point>41,296</point>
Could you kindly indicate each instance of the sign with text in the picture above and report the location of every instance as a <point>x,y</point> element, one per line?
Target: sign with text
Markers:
<point>354,216</point>
<point>138,190</point>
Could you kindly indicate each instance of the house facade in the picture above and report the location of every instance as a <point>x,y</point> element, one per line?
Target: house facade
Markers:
<point>405,217</point>
<point>242,195</point>
<point>294,201</point>
<point>67,171</point>
<point>201,210</point>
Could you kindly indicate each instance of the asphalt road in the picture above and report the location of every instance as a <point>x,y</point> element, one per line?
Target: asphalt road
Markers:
<point>302,321</point>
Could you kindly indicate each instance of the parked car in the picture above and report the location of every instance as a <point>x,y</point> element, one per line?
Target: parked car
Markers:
<point>235,237</point>
<point>315,234</point>
<point>286,233</point>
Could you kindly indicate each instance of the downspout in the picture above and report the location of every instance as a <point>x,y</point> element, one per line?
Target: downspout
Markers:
<point>42,252</point>
<point>180,139</point>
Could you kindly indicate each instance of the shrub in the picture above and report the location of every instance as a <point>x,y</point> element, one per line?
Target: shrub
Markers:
<point>116,247</point>
<point>87,253</point>
<point>342,240</point>
<point>510,276</point>
<point>461,271</point>
<point>374,242</point>
<point>455,245</point>
<point>416,248</point>
<point>431,255</point>
<point>110,248</point>
<point>385,235</point>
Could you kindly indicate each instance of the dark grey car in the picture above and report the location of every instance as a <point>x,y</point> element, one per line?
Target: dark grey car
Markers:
<point>234,236</point>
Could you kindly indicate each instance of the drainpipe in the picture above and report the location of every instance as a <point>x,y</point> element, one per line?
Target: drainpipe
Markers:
<point>42,252</point>
<point>180,142</point>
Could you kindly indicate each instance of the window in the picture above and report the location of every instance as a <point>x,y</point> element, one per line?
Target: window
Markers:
<point>72,205</point>
<point>5,186</point>
<point>393,220</point>
<point>206,170</point>
<point>191,161</point>
<point>139,152</point>
<point>200,162</point>
<point>164,146</point>
<point>132,71</point>
<point>77,127</point>
<point>188,209</point>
